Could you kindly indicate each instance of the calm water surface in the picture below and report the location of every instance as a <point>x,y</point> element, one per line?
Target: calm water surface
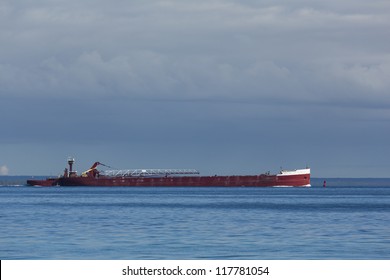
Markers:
<point>350,219</point>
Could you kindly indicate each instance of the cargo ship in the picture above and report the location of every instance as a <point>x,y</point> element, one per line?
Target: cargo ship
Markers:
<point>171,178</point>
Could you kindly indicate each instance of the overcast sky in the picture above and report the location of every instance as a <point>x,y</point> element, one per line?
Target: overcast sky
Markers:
<point>225,87</point>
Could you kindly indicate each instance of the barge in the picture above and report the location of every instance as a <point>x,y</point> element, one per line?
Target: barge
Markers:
<point>171,178</point>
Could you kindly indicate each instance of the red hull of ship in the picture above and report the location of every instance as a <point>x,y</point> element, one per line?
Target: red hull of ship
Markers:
<point>44,183</point>
<point>264,180</point>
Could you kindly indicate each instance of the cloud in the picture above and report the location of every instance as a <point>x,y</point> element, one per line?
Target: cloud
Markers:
<point>373,76</point>
<point>4,170</point>
<point>184,50</point>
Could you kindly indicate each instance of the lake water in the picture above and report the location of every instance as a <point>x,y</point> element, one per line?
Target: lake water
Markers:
<point>349,219</point>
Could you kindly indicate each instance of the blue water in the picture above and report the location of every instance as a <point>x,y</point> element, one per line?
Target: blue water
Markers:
<point>349,219</point>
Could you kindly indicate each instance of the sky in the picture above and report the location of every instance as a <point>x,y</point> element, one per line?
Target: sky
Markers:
<point>222,86</point>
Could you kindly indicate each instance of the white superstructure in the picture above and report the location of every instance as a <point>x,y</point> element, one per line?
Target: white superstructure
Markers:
<point>149,172</point>
<point>294,172</point>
